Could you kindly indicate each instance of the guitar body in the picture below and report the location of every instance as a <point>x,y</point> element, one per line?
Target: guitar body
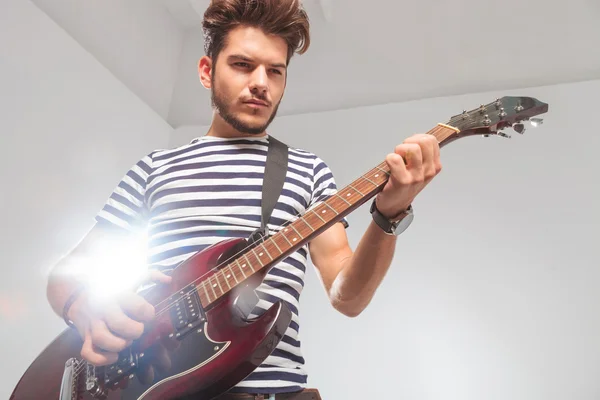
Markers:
<point>186,353</point>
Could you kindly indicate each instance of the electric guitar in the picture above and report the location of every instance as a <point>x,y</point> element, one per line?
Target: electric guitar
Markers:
<point>199,343</point>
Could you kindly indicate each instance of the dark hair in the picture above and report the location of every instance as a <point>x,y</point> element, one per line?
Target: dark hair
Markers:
<point>284,18</point>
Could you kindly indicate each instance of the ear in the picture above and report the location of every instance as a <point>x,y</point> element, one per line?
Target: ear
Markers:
<point>205,66</point>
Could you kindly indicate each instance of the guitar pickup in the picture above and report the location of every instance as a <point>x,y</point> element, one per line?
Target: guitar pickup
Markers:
<point>186,311</point>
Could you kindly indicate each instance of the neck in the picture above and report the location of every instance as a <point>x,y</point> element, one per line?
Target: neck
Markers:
<point>220,128</point>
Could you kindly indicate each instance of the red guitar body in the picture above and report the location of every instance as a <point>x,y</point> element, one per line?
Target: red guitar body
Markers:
<point>180,356</point>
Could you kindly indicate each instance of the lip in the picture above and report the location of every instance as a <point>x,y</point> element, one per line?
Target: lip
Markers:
<point>256,103</point>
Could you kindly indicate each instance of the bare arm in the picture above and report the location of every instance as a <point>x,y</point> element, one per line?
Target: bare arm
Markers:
<point>108,327</point>
<point>69,272</point>
<point>351,278</point>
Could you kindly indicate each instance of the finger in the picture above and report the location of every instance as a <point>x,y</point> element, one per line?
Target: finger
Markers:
<point>94,355</point>
<point>136,307</point>
<point>426,145</point>
<point>411,152</point>
<point>102,338</point>
<point>436,157</point>
<point>120,324</point>
<point>398,172</point>
<point>158,277</point>
<point>431,156</point>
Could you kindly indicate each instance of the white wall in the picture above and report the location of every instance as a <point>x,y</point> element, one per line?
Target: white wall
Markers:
<point>137,40</point>
<point>493,291</point>
<point>70,130</point>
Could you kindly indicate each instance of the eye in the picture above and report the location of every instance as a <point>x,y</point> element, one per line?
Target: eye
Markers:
<point>276,71</point>
<point>242,64</point>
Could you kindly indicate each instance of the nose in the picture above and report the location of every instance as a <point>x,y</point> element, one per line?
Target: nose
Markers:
<point>259,84</point>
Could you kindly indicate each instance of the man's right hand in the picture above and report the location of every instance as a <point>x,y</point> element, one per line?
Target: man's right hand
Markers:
<point>111,327</point>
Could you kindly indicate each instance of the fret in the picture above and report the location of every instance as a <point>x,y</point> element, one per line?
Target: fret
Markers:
<point>226,278</point>
<point>233,273</point>
<point>259,257</point>
<point>285,237</point>
<point>313,211</point>
<point>266,251</point>
<point>307,224</point>
<point>212,288</point>
<point>249,263</point>
<point>334,211</point>
<point>377,178</point>
<point>382,170</point>
<point>275,244</point>
<point>216,275</point>
<point>205,291</point>
<point>357,190</point>
<point>241,268</point>
<point>295,230</point>
<point>350,194</point>
<point>343,199</point>
<point>373,183</point>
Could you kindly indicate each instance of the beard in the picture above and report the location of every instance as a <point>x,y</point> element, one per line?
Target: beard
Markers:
<point>222,105</point>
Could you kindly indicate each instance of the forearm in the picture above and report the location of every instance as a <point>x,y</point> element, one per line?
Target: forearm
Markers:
<point>74,268</point>
<point>61,284</point>
<point>363,272</point>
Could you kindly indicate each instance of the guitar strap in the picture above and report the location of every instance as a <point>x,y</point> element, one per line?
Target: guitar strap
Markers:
<point>274,178</point>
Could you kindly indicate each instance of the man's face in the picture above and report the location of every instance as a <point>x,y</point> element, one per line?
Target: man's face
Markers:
<point>248,80</point>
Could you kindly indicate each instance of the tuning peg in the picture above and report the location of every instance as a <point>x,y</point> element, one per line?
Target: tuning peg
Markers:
<point>504,135</point>
<point>519,128</point>
<point>536,121</point>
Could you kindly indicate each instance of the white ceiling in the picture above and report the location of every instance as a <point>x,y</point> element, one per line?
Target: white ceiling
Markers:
<point>362,53</point>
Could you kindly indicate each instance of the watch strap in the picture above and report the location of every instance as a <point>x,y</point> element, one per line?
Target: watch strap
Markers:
<point>384,223</point>
<point>74,296</point>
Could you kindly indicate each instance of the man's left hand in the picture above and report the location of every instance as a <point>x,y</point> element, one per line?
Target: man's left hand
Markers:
<point>413,165</point>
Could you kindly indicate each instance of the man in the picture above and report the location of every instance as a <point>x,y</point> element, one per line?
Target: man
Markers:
<point>209,190</point>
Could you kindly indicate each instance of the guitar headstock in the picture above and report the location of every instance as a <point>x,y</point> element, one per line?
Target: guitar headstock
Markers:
<point>505,112</point>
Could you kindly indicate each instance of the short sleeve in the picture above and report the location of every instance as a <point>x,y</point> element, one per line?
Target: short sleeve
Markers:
<point>324,185</point>
<point>126,207</point>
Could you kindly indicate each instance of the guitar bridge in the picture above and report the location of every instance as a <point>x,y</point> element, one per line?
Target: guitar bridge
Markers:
<point>70,381</point>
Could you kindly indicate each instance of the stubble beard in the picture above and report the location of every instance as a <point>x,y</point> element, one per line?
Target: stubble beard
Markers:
<point>221,106</point>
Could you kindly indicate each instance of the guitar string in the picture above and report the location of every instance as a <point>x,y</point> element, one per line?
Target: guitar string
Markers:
<point>243,250</point>
<point>83,365</point>
<point>296,217</point>
<point>214,269</point>
<point>204,283</point>
<point>262,239</point>
<point>234,256</point>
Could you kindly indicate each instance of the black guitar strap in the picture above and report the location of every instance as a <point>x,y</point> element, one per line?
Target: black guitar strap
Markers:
<point>274,178</point>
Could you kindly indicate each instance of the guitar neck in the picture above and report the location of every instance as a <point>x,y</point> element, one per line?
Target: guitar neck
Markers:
<point>314,221</point>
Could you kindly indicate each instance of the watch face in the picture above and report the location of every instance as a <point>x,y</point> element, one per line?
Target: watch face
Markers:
<point>403,224</point>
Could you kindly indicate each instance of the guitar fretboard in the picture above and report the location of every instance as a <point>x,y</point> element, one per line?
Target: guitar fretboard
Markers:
<point>294,235</point>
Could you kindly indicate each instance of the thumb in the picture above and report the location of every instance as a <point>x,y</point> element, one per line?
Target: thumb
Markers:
<point>153,276</point>
<point>158,277</point>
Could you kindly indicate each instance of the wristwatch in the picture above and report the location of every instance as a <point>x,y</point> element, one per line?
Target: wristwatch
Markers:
<point>396,227</point>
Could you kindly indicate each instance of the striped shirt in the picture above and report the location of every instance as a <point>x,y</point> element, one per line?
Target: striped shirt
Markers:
<point>209,190</point>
